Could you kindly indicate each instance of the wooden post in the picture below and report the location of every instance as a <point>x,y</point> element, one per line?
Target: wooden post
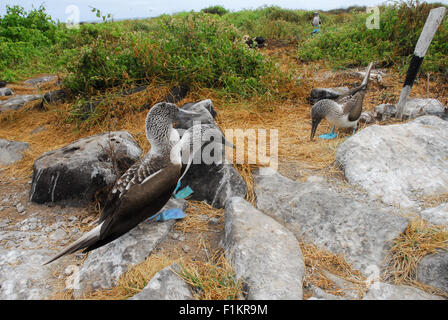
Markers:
<point>432,23</point>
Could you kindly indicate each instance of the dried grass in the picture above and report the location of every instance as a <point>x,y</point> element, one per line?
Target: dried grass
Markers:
<point>317,259</point>
<point>419,240</point>
<point>198,215</point>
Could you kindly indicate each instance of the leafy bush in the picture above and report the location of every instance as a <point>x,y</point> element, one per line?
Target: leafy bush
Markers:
<point>194,49</point>
<point>352,44</point>
<point>219,10</point>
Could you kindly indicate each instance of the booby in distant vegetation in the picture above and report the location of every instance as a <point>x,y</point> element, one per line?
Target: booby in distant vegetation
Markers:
<point>342,113</point>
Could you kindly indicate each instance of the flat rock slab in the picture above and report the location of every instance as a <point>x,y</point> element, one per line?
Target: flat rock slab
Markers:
<point>22,276</point>
<point>398,163</point>
<point>23,250</point>
<point>18,102</point>
<point>6,92</point>
<point>11,151</point>
<point>165,285</point>
<point>39,80</point>
<point>437,215</point>
<point>385,291</point>
<point>103,266</point>
<point>414,108</point>
<point>72,174</point>
<point>327,93</point>
<point>264,254</point>
<point>330,219</point>
<point>433,270</point>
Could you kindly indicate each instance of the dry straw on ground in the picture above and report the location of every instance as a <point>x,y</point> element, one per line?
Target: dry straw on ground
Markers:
<point>419,240</point>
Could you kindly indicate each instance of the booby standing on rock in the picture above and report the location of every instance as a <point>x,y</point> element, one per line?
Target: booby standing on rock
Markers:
<point>342,113</point>
<point>146,186</point>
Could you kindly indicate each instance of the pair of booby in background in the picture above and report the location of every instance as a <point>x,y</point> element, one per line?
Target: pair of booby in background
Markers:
<point>149,183</point>
<point>342,113</point>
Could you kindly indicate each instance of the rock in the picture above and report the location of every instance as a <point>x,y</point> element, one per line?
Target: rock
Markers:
<point>17,102</point>
<point>264,254</point>
<point>330,219</point>
<point>367,117</point>
<point>39,80</point>
<point>327,93</point>
<point>349,289</point>
<point>54,96</point>
<point>196,107</point>
<point>2,84</point>
<point>203,110</point>
<point>177,93</point>
<point>6,92</point>
<point>74,173</point>
<point>320,294</point>
<point>432,270</point>
<point>58,235</point>
<point>375,75</point>
<point>214,183</point>
<point>11,151</point>
<point>414,108</point>
<point>165,285</point>
<point>385,291</point>
<point>22,276</point>
<point>104,265</point>
<point>437,215</point>
<point>20,208</point>
<point>38,129</point>
<point>217,181</point>
<point>128,92</point>
<point>398,163</point>
<point>175,203</point>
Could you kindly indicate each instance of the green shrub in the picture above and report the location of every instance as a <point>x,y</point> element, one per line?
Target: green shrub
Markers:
<point>219,10</point>
<point>196,48</point>
<point>352,44</point>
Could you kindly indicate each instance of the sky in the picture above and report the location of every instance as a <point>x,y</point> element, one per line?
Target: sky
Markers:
<point>128,9</point>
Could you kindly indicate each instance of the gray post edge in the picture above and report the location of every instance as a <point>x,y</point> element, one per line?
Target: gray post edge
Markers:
<point>432,23</point>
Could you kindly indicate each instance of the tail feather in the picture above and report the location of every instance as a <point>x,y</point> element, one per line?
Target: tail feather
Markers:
<point>86,240</point>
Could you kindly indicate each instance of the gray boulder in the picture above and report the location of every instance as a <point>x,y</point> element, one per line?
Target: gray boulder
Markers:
<point>327,93</point>
<point>337,221</point>
<point>437,215</point>
<point>398,163</point>
<point>205,114</point>
<point>6,92</point>
<point>165,285</point>
<point>433,270</point>
<point>264,254</point>
<point>40,80</point>
<point>73,174</point>
<point>414,108</point>
<point>214,182</point>
<point>11,151</point>
<point>18,102</point>
<point>103,266</point>
<point>385,291</point>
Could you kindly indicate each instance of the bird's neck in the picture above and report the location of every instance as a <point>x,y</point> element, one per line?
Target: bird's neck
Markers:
<point>162,136</point>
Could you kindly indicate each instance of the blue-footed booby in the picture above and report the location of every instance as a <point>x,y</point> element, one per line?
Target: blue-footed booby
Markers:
<point>342,113</point>
<point>147,185</point>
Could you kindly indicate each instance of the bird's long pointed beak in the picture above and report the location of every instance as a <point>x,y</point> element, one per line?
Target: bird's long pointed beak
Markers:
<point>314,128</point>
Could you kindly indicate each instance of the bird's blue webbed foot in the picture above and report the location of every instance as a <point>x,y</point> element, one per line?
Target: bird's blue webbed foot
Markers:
<point>329,136</point>
<point>182,194</point>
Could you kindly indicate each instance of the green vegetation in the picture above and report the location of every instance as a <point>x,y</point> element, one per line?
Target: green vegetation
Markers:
<point>352,44</point>
<point>204,48</point>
